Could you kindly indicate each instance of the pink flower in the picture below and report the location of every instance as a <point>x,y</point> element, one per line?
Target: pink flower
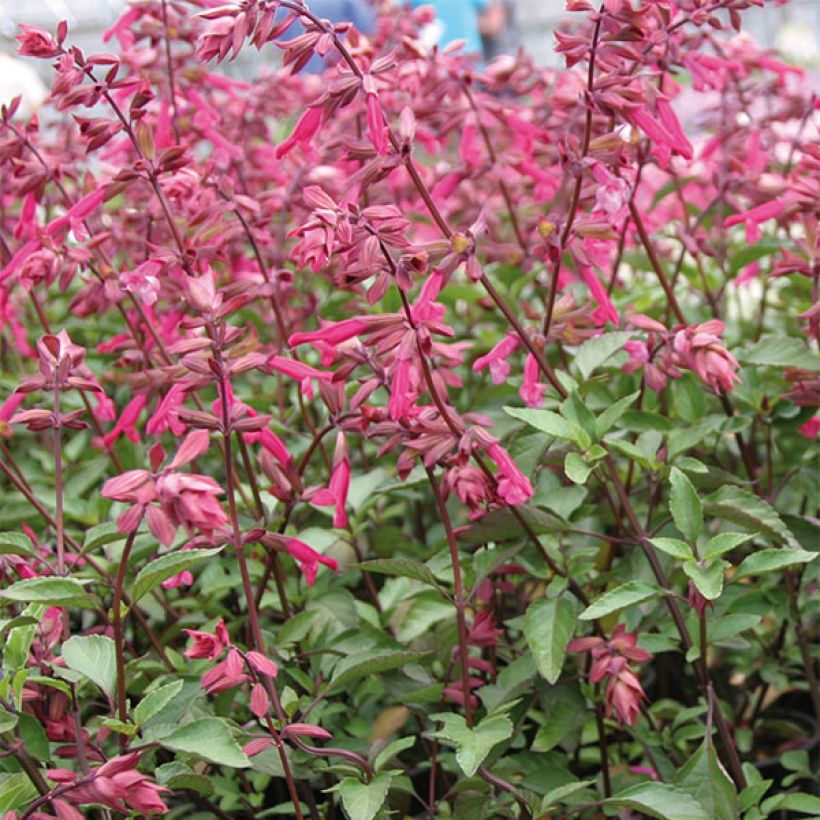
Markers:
<point>227,674</point>
<point>260,702</point>
<point>126,424</point>
<point>207,645</point>
<point>513,486</point>
<point>496,359</point>
<point>308,559</point>
<point>116,784</point>
<point>36,42</point>
<point>754,217</point>
<point>375,124</point>
<point>605,312</point>
<point>305,130</point>
<point>164,417</point>
<point>700,349</point>
<point>811,428</point>
<point>335,495</point>
<point>532,391</point>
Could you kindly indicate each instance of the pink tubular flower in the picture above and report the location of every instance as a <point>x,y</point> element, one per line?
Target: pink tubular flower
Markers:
<point>36,42</point>
<point>532,391</point>
<point>227,674</point>
<point>335,494</point>
<point>811,428</point>
<point>332,333</point>
<point>207,645</point>
<point>164,417</point>
<point>496,359</point>
<point>513,486</point>
<point>611,661</point>
<point>605,312</point>
<point>305,130</point>
<point>375,124</point>
<point>116,784</point>
<point>308,559</point>
<point>126,423</point>
<point>700,349</point>
<point>302,373</point>
<point>753,218</point>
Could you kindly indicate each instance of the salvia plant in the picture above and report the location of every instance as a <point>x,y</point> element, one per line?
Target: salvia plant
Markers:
<point>418,438</point>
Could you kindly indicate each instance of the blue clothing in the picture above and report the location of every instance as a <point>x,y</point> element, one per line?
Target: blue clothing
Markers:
<point>459,19</point>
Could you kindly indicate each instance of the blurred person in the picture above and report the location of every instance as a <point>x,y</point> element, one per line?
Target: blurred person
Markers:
<point>455,20</point>
<point>496,27</point>
<point>18,77</point>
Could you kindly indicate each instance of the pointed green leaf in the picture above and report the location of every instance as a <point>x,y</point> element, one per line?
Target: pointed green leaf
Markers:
<point>703,777</point>
<point>707,577</point>
<point>660,800</point>
<point>613,413</point>
<point>16,790</point>
<point>724,542</point>
<point>548,627</point>
<point>167,566</point>
<point>154,701</point>
<point>362,664</point>
<point>544,420</point>
<point>685,506</point>
<point>596,351</point>
<point>771,560</point>
<point>628,594</point>
<point>102,534</point>
<point>674,547</point>
<point>94,657</point>
<point>16,543</point>
<point>780,351</point>
<point>400,567</point>
<point>576,468</point>
<point>743,507</point>
<point>472,745</point>
<point>49,590</point>
<point>210,739</point>
<point>19,640</point>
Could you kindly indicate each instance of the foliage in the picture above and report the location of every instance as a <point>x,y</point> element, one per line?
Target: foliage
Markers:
<point>419,437</point>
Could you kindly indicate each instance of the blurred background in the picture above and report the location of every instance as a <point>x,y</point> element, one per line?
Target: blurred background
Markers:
<point>492,27</point>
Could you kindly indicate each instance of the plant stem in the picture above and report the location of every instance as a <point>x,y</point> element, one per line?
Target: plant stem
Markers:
<point>116,623</point>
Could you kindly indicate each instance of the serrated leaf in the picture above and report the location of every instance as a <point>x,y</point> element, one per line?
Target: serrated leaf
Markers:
<point>16,543</point>
<point>548,626</point>
<point>576,468</point>
<point>391,750</point>
<point>94,657</point>
<point>362,664</point>
<point>209,738</point>
<point>771,560</point>
<point>780,351</point>
<point>707,577</point>
<point>48,590</point>
<point>596,351</point>
<point>102,534</point>
<point>400,567</point>
<point>472,745</point>
<point>555,797</point>
<point>19,640</point>
<point>154,701</point>
<point>724,542</point>
<point>167,566</point>
<point>362,801</point>
<point>685,506</point>
<point>544,420</point>
<point>659,800</point>
<point>674,547</point>
<point>740,506</point>
<point>610,416</point>
<point>628,594</point>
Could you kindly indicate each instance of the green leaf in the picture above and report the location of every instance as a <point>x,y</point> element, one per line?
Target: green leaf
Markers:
<point>16,790</point>
<point>102,534</point>
<point>391,750</point>
<point>660,800</point>
<point>685,506</point>
<point>576,468</point>
<point>544,420</point>
<point>16,543</point>
<point>548,626</point>
<point>48,590</point>
<point>555,797</point>
<point>613,413</point>
<point>209,738</point>
<point>94,657</point>
<point>502,525</point>
<point>33,735</point>
<point>362,801</point>
<point>472,745</point>
<point>674,547</point>
<point>703,777</point>
<point>362,664</point>
<point>770,560</point>
<point>707,577</point>
<point>400,567</point>
<point>7,720</point>
<point>154,701</point>
<point>424,612</point>
<point>740,506</point>
<point>167,566</point>
<point>18,642</point>
<point>797,801</point>
<point>780,351</point>
<point>723,542</point>
<point>628,594</point>
<point>596,351</point>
